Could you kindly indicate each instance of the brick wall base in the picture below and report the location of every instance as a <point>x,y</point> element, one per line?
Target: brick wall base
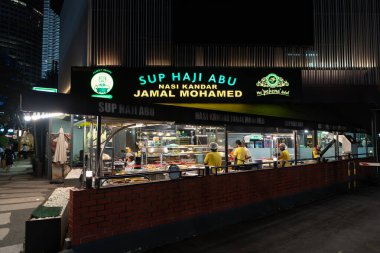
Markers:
<point>142,216</point>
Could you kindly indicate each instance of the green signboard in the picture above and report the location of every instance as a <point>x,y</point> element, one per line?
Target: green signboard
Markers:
<point>187,85</point>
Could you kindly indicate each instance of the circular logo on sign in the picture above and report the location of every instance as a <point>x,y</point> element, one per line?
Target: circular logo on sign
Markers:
<point>272,80</point>
<point>102,83</point>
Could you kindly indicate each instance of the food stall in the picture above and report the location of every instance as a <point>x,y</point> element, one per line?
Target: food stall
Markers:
<point>154,146</point>
<point>170,115</point>
<point>169,141</point>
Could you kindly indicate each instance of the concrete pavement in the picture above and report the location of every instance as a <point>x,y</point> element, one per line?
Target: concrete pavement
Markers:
<point>347,223</point>
<point>20,167</point>
<point>20,193</point>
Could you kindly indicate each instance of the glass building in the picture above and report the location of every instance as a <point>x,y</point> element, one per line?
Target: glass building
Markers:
<point>21,35</point>
<point>50,40</point>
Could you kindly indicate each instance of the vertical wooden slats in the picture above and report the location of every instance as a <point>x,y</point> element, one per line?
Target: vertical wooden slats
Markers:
<point>137,33</point>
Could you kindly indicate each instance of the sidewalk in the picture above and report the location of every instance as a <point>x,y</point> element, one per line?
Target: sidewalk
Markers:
<point>19,167</point>
<point>20,193</point>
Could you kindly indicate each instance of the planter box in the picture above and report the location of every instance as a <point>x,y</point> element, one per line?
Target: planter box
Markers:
<point>46,235</point>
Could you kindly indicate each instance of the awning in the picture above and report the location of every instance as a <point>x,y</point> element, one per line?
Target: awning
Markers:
<point>337,117</point>
<point>350,115</point>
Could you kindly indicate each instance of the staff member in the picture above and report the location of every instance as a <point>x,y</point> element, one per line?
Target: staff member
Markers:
<point>213,158</point>
<point>284,156</point>
<point>239,154</point>
<point>248,156</point>
<point>130,159</point>
<point>316,152</point>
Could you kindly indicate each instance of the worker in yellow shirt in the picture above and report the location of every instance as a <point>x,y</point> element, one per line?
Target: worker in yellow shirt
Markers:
<point>284,157</point>
<point>213,158</point>
<point>239,153</point>
<point>317,153</point>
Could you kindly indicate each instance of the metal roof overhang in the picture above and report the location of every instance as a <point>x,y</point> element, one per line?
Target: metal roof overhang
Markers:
<point>341,117</point>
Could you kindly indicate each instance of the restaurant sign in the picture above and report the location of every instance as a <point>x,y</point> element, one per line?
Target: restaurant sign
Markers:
<point>102,83</point>
<point>186,85</point>
<point>272,84</point>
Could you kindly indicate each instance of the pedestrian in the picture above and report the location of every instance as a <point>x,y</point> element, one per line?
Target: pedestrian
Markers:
<point>1,157</point>
<point>24,150</point>
<point>213,158</point>
<point>8,156</point>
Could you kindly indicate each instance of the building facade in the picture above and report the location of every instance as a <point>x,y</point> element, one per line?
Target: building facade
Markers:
<point>21,36</point>
<point>50,40</point>
<point>343,59</point>
<point>110,47</point>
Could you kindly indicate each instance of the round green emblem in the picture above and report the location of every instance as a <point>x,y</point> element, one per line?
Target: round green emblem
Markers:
<point>272,80</point>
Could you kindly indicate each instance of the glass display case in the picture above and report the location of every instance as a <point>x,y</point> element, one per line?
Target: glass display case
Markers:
<point>153,145</point>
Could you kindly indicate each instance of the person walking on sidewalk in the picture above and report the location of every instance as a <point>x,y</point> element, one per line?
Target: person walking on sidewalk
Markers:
<point>8,156</point>
<point>1,157</point>
<point>24,151</point>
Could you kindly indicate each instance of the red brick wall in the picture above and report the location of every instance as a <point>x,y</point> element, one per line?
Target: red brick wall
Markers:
<point>97,214</point>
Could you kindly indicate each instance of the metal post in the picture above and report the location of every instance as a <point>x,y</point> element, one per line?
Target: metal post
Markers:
<point>226,146</point>
<point>35,141</point>
<point>72,140</point>
<point>354,175</point>
<point>112,151</point>
<point>374,135</point>
<point>295,147</point>
<point>375,138</point>
<point>98,143</point>
<point>315,138</point>
<point>84,153</point>
<point>91,161</point>
<point>337,146</point>
<point>349,176</point>
<point>49,154</point>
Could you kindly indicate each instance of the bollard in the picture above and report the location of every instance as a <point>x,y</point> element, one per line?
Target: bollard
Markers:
<point>67,243</point>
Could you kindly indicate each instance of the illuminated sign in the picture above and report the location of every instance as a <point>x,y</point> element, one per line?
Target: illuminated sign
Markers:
<point>45,89</point>
<point>185,85</point>
<point>272,84</point>
<point>256,137</point>
<point>102,83</point>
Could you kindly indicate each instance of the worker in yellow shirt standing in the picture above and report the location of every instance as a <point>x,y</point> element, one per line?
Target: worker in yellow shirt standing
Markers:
<point>284,157</point>
<point>239,153</point>
<point>317,153</point>
<point>213,158</point>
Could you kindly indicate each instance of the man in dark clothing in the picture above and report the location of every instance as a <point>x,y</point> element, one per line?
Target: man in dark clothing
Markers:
<point>8,156</point>
<point>24,151</point>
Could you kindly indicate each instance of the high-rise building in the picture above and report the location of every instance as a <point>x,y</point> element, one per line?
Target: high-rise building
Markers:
<point>50,40</point>
<point>21,36</point>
